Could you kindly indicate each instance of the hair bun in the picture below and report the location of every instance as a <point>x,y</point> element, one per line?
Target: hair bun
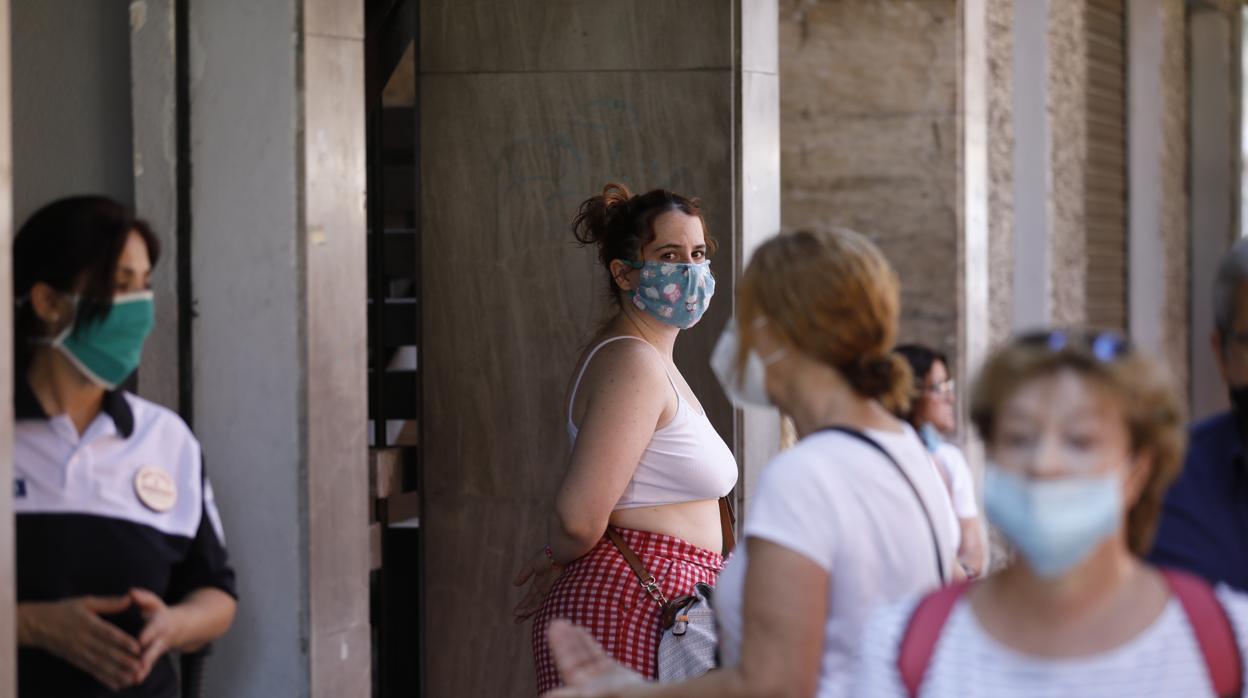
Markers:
<point>594,217</point>
<point>885,377</point>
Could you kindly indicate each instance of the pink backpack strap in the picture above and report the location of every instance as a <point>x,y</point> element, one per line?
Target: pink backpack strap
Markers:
<point>918,642</point>
<point>1213,630</point>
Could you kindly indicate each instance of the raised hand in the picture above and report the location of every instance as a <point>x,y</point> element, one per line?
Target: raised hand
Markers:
<point>585,668</point>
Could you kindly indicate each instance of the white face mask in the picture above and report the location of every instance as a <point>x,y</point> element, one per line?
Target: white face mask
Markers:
<point>749,387</point>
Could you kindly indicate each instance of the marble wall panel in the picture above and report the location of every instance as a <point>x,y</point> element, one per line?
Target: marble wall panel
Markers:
<point>511,299</point>
<point>573,35</point>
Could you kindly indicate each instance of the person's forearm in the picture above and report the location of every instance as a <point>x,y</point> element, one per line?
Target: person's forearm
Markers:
<point>27,626</point>
<point>206,614</point>
<point>564,544</point>
<point>971,553</point>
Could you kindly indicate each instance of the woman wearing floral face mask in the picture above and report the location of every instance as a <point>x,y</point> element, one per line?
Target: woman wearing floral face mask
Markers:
<point>646,463</point>
<point>851,516</point>
<point>120,556</point>
<point>1084,437</point>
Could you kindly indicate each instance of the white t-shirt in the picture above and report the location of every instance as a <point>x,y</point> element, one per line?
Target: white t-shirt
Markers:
<point>843,505</point>
<point>1163,661</point>
<point>960,481</point>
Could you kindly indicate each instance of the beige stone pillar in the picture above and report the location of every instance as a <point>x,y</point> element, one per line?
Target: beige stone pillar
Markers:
<point>1213,65</point>
<point>870,138</point>
<point>8,632</point>
<point>1157,185</point>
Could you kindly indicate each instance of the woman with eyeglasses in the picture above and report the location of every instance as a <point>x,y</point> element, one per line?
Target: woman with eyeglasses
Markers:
<point>1084,437</point>
<point>931,413</point>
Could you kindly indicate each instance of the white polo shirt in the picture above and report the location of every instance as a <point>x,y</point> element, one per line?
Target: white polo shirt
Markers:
<point>124,505</point>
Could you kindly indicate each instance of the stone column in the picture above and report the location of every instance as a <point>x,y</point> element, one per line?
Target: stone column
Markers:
<point>527,109</point>
<point>1157,161</point>
<point>8,631</point>
<point>153,95</point>
<point>869,124</point>
<point>757,145</point>
<point>277,149</point>
<point>1213,64</point>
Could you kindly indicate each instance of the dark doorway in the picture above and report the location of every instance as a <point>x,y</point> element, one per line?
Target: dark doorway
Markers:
<point>394,341</point>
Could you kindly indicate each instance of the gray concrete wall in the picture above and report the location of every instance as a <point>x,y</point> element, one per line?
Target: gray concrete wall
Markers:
<point>71,101</point>
<point>869,139</point>
<point>278,245</point>
<point>250,362</point>
<point>527,109</point>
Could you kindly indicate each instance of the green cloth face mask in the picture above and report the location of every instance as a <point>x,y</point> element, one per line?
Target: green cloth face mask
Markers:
<point>107,349</point>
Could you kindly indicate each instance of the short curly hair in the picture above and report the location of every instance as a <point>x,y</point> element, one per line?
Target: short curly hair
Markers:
<point>1154,414</point>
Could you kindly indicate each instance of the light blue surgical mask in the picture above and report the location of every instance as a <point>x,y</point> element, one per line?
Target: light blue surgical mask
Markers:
<point>675,293</point>
<point>931,437</point>
<point>1055,524</point>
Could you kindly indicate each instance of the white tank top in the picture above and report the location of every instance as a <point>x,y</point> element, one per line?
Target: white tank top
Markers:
<point>685,461</point>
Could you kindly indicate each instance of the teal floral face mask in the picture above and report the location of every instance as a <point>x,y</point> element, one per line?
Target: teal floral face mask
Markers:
<point>675,293</point>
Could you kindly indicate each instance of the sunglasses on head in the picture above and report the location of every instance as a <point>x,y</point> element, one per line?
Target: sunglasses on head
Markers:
<point>1106,345</point>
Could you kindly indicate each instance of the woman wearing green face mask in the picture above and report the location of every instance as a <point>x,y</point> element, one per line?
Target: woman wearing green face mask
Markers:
<point>120,554</point>
<point>1084,436</point>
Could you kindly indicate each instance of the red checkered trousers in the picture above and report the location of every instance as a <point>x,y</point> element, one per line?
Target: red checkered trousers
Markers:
<point>600,593</point>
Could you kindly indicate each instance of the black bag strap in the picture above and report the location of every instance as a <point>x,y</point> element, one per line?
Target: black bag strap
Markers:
<point>931,525</point>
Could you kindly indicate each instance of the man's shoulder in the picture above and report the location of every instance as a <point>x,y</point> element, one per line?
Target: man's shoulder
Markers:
<point>1212,443</point>
<point>1220,425</point>
<point>1218,432</point>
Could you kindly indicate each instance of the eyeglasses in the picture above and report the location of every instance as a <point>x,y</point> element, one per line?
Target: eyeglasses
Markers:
<point>941,389</point>
<point>1106,346</point>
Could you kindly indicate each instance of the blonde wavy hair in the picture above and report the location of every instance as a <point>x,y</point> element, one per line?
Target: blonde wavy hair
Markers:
<point>833,296</point>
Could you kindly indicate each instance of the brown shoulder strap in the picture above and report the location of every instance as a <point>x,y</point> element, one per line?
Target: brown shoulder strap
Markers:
<point>727,520</point>
<point>644,577</point>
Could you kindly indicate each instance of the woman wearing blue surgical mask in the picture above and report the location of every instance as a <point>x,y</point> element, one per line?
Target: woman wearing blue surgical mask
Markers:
<point>1084,436</point>
<point>931,413</point>
<point>647,469</point>
<point>120,555</point>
